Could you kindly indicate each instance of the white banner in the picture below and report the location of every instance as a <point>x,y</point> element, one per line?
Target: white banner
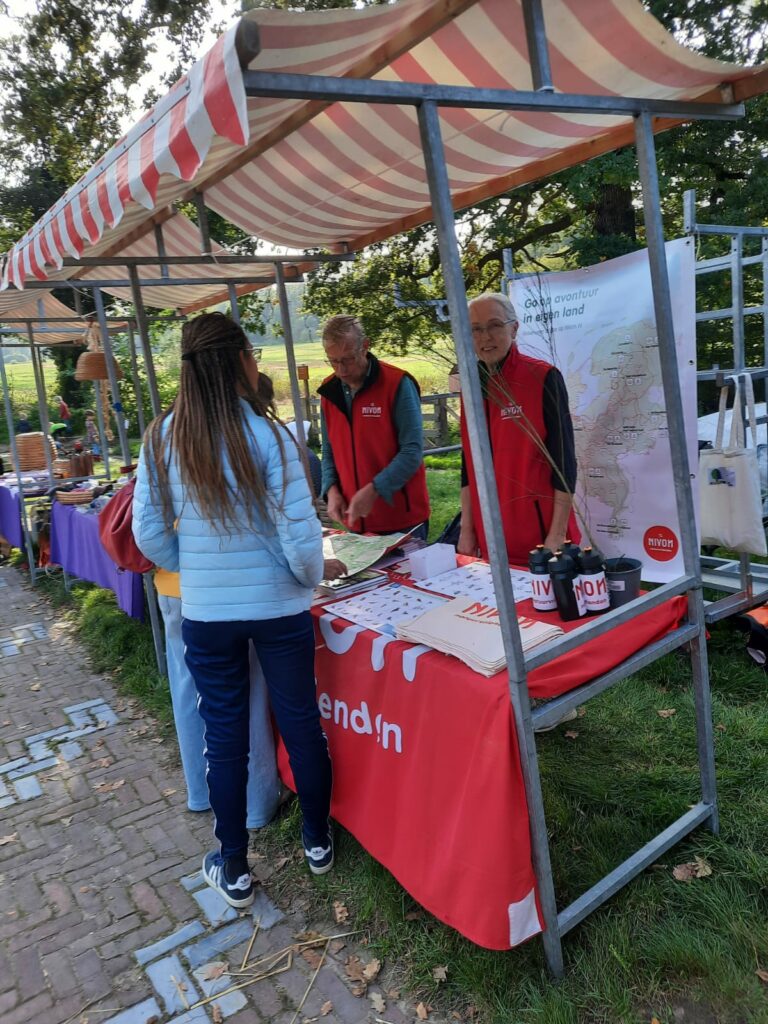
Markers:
<point>598,327</point>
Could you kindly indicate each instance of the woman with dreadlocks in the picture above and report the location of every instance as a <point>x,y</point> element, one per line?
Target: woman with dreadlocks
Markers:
<point>222,498</point>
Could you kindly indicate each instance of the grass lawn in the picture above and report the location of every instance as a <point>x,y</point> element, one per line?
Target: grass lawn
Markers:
<point>661,948</point>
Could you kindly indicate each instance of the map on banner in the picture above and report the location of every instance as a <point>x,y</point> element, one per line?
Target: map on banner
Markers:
<point>385,608</point>
<point>597,326</point>
<point>474,580</point>
<point>359,551</point>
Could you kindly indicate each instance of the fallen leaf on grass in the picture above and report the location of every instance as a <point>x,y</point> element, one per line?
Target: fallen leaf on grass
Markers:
<point>326,1008</point>
<point>414,915</point>
<point>720,727</point>
<point>108,787</point>
<point>309,936</point>
<point>762,974</point>
<point>666,712</point>
<point>13,838</point>
<point>422,1012</point>
<point>340,912</point>
<point>371,970</point>
<point>35,687</point>
<point>218,1016</point>
<point>280,864</point>
<point>440,973</point>
<point>377,1002</point>
<point>570,734</point>
<point>654,1020</point>
<point>214,970</point>
<point>693,869</point>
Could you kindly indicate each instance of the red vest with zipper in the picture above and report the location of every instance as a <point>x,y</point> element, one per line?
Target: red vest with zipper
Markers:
<point>514,409</point>
<point>365,443</point>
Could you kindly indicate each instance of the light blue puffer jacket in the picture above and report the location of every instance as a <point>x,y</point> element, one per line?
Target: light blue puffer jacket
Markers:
<point>244,574</point>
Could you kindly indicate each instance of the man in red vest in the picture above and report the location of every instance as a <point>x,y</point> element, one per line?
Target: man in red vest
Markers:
<point>529,423</point>
<point>373,469</point>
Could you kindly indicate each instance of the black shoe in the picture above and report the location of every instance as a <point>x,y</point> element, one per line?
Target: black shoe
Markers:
<point>237,893</point>
<point>319,858</point>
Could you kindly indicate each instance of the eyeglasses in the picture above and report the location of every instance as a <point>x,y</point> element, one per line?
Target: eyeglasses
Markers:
<point>338,364</point>
<point>494,329</point>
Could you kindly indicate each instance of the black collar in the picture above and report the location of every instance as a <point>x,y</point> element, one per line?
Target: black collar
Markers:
<point>333,390</point>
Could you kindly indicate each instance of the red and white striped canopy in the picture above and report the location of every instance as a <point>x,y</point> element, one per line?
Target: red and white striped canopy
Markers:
<point>308,173</point>
<point>16,307</point>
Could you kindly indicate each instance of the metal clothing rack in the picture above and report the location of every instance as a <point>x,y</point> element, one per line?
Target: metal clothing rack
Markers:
<point>427,99</point>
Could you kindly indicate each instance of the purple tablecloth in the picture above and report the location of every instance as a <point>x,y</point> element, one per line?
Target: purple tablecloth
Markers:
<point>10,517</point>
<point>76,547</point>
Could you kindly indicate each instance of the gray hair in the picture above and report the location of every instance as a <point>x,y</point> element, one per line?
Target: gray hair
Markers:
<point>343,328</point>
<point>503,300</point>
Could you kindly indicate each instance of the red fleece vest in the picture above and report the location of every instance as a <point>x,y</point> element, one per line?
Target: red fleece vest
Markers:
<point>514,410</point>
<point>363,447</point>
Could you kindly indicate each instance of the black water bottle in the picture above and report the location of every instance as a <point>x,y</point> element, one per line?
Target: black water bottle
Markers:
<point>542,594</point>
<point>593,582</point>
<point>572,550</point>
<point>563,572</point>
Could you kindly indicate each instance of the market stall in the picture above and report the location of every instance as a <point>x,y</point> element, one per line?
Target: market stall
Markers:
<point>340,128</point>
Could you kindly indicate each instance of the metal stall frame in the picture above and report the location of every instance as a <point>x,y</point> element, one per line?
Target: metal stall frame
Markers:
<point>426,99</point>
<point>745,583</point>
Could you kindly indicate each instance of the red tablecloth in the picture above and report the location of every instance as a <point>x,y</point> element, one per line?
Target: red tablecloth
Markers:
<point>427,771</point>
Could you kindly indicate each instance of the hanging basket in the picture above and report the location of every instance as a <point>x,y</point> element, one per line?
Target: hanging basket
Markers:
<point>31,451</point>
<point>93,366</point>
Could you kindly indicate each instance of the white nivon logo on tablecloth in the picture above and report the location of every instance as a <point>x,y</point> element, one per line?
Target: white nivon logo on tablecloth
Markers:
<point>359,720</point>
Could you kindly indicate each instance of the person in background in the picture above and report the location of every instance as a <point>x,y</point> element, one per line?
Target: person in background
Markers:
<point>264,788</point>
<point>64,414</point>
<point>222,497</point>
<point>23,426</point>
<point>267,392</point>
<point>92,432</point>
<point>531,433</point>
<point>373,440</point>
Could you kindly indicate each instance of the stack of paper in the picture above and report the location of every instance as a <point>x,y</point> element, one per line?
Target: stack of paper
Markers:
<point>474,580</point>
<point>470,631</point>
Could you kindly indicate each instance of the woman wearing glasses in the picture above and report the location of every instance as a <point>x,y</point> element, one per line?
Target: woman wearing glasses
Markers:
<point>526,407</point>
<point>222,497</point>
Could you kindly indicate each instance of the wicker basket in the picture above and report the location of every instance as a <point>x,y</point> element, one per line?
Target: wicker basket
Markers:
<point>74,497</point>
<point>62,468</point>
<point>93,366</point>
<point>31,449</point>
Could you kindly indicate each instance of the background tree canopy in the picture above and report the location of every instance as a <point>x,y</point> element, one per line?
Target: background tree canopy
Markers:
<point>67,75</point>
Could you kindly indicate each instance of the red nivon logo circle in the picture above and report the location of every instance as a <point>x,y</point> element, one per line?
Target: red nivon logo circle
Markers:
<point>660,543</point>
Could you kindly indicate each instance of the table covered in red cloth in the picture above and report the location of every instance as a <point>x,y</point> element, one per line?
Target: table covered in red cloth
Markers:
<point>426,768</point>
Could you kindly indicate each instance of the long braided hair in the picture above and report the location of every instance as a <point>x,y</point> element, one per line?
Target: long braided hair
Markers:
<point>208,429</point>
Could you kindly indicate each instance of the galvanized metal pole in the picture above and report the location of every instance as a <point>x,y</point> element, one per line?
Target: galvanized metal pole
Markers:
<point>146,347</point>
<point>42,402</point>
<point>234,309</point>
<point>97,385</point>
<point>442,211</point>
<point>646,153</point>
<point>293,373</point>
<point>136,382</point>
<point>17,467</point>
<point>114,386</point>
<point>538,48</point>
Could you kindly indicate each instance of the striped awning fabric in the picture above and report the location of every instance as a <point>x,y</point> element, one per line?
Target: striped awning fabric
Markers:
<point>18,307</point>
<point>308,173</point>
<point>180,238</point>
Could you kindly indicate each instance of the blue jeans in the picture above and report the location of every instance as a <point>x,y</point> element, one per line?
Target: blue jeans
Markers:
<point>263,784</point>
<point>217,656</point>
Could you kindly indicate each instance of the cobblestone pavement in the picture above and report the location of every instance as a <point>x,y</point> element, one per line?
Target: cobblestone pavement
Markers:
<point>103,914</point>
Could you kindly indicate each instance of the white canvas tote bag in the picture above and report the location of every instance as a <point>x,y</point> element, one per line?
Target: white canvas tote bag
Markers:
<point>729,481</point>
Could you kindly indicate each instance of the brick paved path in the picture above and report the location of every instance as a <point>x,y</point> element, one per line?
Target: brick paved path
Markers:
<point>103,915</point>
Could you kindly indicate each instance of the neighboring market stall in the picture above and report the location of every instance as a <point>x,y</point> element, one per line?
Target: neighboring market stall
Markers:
<point>339,128</point>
